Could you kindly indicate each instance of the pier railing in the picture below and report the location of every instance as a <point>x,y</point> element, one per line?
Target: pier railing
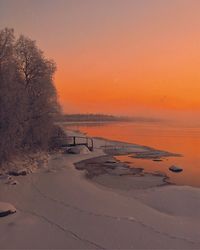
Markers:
<point>71,141</point>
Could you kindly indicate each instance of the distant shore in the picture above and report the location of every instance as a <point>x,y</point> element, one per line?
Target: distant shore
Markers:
<point>76,118</point>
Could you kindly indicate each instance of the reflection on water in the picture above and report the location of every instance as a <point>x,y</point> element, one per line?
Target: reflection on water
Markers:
<point>173,137</point>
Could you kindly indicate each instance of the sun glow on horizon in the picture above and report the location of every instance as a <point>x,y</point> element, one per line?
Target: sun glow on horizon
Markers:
<point>116,56</point>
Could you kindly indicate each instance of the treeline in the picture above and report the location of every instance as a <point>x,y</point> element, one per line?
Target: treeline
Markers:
<point>103,118</point>
<point>92,117</point>
<point>28,100</point>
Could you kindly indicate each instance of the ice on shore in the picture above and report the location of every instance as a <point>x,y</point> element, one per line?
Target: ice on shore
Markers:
<point>64,210</point>
<point>80,149</point>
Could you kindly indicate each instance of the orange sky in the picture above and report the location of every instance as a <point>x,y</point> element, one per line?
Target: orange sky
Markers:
<point>117,56</point>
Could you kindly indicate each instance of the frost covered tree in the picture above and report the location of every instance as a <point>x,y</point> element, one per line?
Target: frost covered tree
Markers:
<point>11,97</point>
<point>28,100</point>
<point>37,76</point>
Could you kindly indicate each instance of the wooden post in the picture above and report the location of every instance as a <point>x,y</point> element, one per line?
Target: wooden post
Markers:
<point>92,148</point>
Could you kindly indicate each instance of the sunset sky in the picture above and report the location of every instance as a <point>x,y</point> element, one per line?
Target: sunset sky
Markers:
<point>135,57</point>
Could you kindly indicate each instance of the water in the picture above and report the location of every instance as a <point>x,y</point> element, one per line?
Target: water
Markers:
<point>170,136</point>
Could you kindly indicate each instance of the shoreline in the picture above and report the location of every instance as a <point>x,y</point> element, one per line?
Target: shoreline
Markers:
<point>107,171</point>
<point>111,173</point>
<point>57,207</point>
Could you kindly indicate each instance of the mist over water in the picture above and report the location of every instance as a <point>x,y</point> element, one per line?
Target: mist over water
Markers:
<point>173,136</point>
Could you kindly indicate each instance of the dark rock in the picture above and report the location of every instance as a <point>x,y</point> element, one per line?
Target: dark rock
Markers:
<point>111,161</point>
<point>17,172</point>
<point>175,169</point>
<point>6,209</point>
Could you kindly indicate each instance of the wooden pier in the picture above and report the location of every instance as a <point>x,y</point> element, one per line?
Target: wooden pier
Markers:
<point>71,141</point>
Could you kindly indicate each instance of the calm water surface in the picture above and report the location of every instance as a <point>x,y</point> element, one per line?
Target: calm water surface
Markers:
<point>169,136</point>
